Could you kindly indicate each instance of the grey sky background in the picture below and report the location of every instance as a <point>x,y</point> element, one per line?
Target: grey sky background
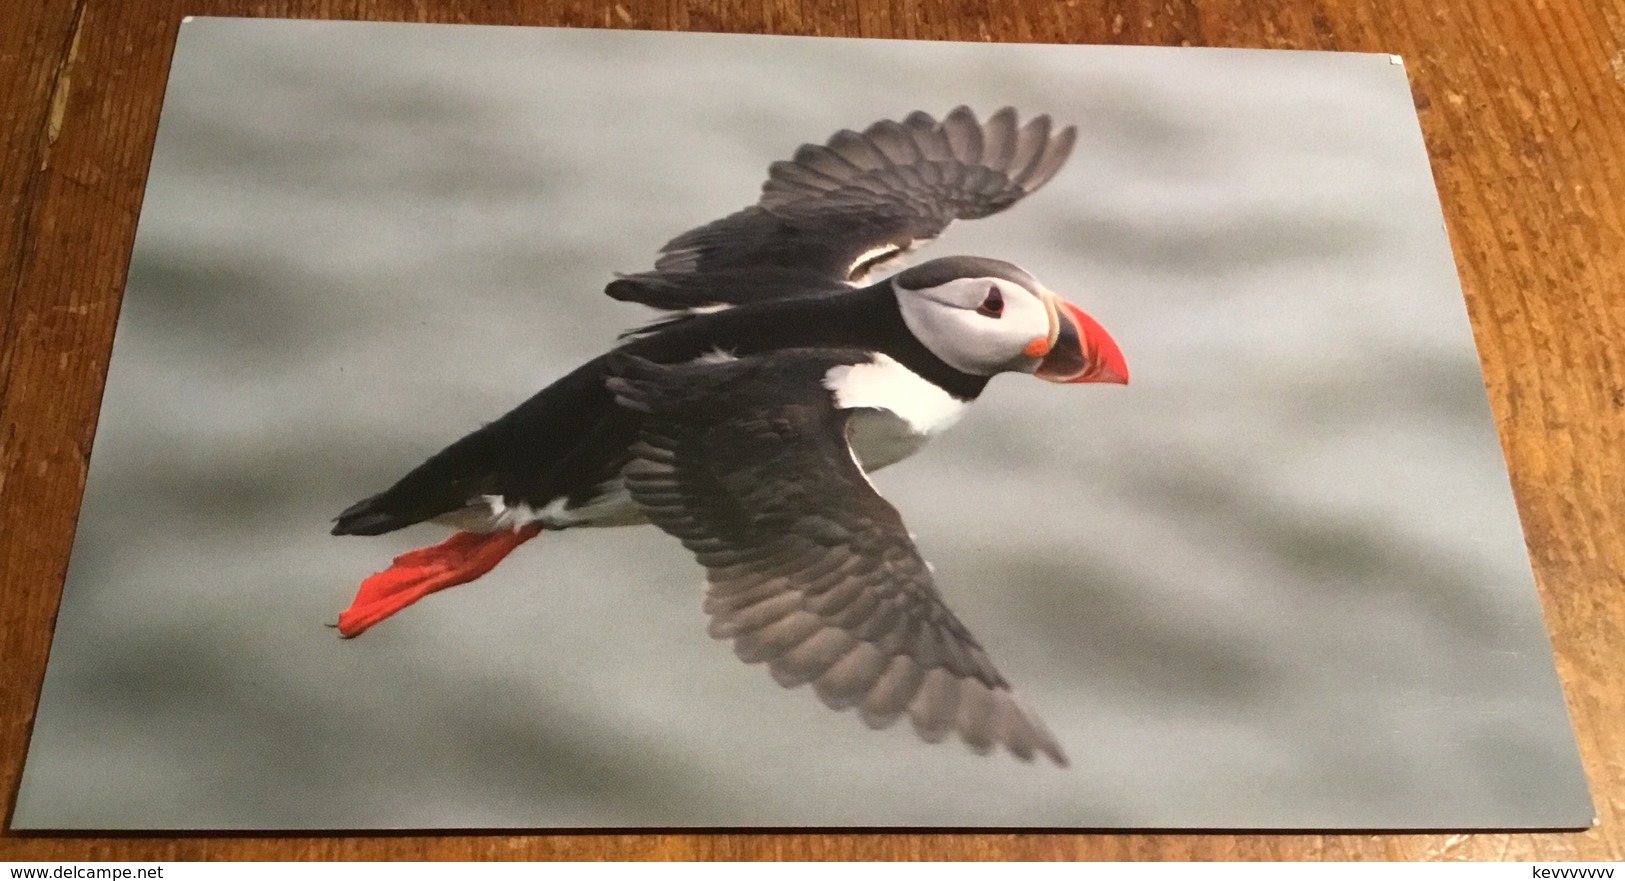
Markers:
<point>1278,581</point>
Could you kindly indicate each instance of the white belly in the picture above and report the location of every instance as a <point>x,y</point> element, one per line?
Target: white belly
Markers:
<point>896,410</point>
<point>881,437</point>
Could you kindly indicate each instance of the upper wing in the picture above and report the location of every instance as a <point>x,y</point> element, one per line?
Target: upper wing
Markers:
<point>810,570</point>
<point>833,212</point>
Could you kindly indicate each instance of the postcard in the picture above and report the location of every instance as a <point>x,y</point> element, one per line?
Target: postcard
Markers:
<point>518,428</point>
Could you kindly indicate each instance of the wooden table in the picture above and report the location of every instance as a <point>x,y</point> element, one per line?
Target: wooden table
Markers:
<point>1523,107</point>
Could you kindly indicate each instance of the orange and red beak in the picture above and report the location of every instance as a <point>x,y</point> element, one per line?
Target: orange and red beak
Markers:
<point>1082,350</point>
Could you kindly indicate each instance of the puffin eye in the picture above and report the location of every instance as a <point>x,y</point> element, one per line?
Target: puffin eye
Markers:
<point>993,305</point>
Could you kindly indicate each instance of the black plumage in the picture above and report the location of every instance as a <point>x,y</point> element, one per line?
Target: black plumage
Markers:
<point>834,211</point>
<point>810,570</point>
<point>719,424</point>
<point>569,439</point>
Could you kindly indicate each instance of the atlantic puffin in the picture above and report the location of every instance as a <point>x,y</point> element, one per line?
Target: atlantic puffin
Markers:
<point>744,421</point>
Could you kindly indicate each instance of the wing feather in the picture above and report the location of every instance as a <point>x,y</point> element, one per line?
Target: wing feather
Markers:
<point>929,138</point>
<point>1030,145</point>
<point>964,135</point>
<point>810,571</point>
<point>999,145</point>
<point>825,212</point>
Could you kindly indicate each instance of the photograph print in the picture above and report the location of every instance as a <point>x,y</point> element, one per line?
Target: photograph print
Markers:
<point>615,333</point>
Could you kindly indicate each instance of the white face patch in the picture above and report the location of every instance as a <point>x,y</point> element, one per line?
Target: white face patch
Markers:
<point>946,320</point>
<point>885,384</point>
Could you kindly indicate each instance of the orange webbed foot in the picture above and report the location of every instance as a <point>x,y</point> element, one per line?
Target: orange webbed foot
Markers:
<point>416,574</point>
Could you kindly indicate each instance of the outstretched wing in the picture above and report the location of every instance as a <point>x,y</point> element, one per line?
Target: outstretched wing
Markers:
<point>833,212</point>
<point>810,570</point>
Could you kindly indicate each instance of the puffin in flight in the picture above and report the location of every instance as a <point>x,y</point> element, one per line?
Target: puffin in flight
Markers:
<point>743,423</point>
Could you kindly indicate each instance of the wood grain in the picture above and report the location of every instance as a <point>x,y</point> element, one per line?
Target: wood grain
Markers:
<point>1523,108</point>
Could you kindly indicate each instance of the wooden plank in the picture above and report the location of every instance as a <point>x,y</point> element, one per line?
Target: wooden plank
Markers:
<point>1523,108</point>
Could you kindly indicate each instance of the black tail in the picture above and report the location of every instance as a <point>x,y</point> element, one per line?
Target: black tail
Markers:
<point>369,517</point>
<point>449,480</point>
<point>559,442</point>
